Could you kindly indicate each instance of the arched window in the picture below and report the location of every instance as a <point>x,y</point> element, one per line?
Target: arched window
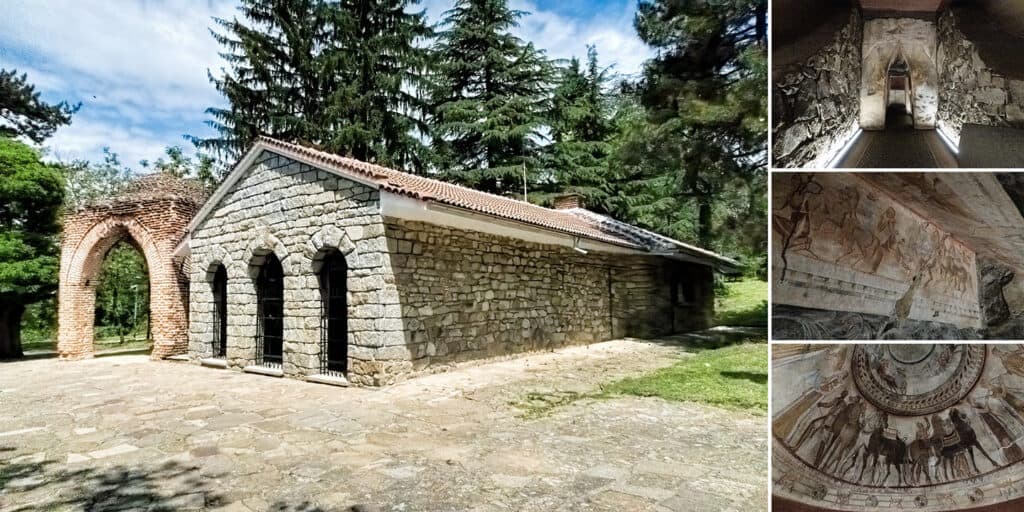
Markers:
<point>220,312</point>
<point>334,316</point>
<point>270,305</point>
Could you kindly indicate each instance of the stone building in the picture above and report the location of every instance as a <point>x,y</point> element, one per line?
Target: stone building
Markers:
<point>314,266</point>
<point>897,83</point>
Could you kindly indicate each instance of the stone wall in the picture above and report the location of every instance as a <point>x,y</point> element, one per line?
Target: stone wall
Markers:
<point>468,295</point>
<point>971,91</point>
<point>816,103</point>
<point>298,213</point>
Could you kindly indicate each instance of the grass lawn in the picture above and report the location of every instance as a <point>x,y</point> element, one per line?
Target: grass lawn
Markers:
<point>100,344</point>
<point>744,304</point>
<point>731,377</point>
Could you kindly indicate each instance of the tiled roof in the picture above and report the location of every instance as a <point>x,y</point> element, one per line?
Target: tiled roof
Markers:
<point>575,221</point>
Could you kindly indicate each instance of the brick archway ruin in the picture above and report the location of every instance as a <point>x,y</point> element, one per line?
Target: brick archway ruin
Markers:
<point>152,214</point>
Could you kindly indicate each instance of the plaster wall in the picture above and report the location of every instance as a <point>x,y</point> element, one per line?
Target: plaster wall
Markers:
<point>842,244</point>
<point>988,410</point>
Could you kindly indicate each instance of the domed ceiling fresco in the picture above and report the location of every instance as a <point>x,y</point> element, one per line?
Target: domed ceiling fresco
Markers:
<point>931,427</point>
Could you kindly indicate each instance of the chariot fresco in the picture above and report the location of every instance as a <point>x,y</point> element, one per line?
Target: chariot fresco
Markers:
<point>860,424</point>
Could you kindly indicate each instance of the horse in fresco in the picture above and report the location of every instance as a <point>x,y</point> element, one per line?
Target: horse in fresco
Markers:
<point>961,442</point>
<point>892,450</point>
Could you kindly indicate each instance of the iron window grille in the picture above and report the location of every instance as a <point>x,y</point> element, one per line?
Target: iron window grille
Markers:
<point>220,312</point>
<point>270,305</point>
<point>334,315</point>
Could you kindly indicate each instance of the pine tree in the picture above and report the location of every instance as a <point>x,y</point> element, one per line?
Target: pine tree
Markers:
<point>581,129</point>
<point>382,108</point>
<point>489,98</point>
<point>22,112</point>
<point>279,76</point>
<point>342,75</point>
<point>706,103</point>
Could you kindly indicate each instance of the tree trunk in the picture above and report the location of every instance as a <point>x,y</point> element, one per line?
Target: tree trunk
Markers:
<point>10,330</point>
<point>704,232</point>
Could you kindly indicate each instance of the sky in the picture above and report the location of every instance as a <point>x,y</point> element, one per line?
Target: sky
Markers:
<point>139,67</point>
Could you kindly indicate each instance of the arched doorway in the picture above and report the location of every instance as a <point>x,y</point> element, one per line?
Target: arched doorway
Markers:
<point>152,215</point>
<point>220,312</point>
<point>122,319</point>
<point>899,95</point>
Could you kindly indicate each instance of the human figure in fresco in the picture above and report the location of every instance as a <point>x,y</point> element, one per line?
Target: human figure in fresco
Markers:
<point>825,421</point>
<point>796,228</point>
<point>888,237</point>
<point>787,423</point>
<point>842,435</point>
<point>1002,421</point>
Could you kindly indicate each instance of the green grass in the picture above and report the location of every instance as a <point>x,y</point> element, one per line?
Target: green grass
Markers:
<point>732,377</point>
<point>102,342</point>
<point>745,303</point>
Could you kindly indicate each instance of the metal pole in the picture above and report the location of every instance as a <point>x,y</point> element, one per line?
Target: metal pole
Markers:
<point>524,182</point>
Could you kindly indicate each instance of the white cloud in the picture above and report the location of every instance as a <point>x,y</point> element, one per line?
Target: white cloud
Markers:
<point>610,30</point>
<point>139,67</point>
<point>86,138</point>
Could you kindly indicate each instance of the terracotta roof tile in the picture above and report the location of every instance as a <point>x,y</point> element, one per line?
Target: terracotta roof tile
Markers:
<point>578,222</point>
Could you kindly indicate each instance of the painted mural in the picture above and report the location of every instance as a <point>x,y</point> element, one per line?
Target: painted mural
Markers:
<point>823,223</point>
<point>936,425</point>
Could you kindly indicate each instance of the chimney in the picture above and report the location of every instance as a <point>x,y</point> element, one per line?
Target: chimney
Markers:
<point>567,201</point>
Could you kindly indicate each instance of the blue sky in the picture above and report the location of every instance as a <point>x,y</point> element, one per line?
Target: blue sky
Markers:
<point>139,67</point>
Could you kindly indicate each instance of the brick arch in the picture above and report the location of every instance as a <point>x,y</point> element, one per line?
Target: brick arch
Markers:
<point>93,247</point>
<point>155,227</point>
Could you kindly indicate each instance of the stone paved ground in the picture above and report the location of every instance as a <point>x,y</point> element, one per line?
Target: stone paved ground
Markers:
<point>125,433</point>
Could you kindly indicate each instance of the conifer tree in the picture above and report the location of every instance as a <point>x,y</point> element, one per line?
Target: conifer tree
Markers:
<point>382,107</point>
<point>343,75</point>
<point>489,98</point>
<point>581,129</point>
<point>706,132</point>
<point>279,74</point>
<point>22,113</point>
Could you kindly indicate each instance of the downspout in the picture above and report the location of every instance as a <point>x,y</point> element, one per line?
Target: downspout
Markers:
<point>611,306</point>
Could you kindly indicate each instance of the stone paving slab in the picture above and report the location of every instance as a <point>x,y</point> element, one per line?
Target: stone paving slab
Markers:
<point>126,433</point>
